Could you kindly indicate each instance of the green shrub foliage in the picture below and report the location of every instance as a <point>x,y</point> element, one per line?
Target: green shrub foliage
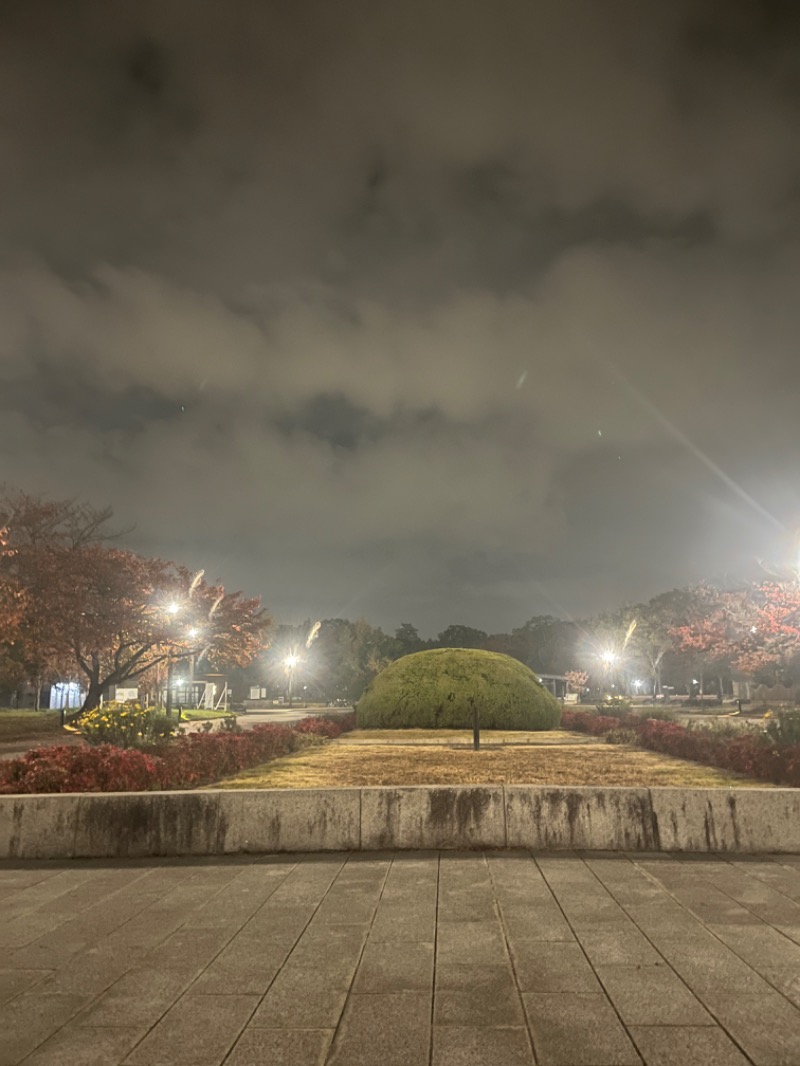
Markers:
<point>440,689</point>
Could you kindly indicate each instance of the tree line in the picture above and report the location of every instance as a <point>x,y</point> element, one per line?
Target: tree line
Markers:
<point>690,640</point>
<point>76,606</point>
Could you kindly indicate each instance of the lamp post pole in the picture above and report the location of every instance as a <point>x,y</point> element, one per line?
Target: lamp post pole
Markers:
<point>169,687</point>
<point>291,662</point>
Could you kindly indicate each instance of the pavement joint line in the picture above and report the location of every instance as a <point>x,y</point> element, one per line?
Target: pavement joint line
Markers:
<point>300,934</point>
<point>744,875</point>
<point>664,888</point>
<point>178,995</point>
<point>566,876</point>
<point>67,921</point>
<point>581,860</point>
<point>435,953</point>
<point>730,947</point>
<point>528,1031</point>
<point>336,1032</point>
<point>764,860</point>
<point>236,932</point>
<point>182,993</point>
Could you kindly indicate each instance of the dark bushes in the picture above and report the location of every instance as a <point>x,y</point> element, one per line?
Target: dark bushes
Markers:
<point>763,756</point>
<point>187,762</point>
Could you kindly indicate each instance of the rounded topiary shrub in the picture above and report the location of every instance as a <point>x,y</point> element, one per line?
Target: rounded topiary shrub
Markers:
<point>439,689</point>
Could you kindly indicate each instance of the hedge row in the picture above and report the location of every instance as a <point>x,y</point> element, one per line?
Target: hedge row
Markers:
<point>747,753</point>
<point>187,762</point>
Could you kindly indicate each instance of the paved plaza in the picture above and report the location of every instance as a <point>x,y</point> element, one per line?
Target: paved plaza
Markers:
<point>457,959</point>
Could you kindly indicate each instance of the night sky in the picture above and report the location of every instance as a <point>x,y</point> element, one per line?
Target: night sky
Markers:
<point>439,311</point>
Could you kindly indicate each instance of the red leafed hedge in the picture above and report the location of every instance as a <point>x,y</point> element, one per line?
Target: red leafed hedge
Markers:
<point>748,753</point>
<point>187,762</point>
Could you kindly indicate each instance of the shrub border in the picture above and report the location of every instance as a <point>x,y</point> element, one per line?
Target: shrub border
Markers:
<point>748,754</point>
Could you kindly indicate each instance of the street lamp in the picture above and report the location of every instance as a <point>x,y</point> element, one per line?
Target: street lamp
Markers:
<point>291,661</point>
<point>609,658</point>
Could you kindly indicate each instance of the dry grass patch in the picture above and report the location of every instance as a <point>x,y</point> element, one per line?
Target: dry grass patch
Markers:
<point>347,765</point>
<point>21,725</point>
<point>461,737</point>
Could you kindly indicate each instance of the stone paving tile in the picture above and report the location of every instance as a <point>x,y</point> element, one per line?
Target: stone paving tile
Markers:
<point>178,961</point>
<point>477,943</point>
<point>311,988</point>
<point>785,980</point>
<point>469,976</point>
<point>717,972</point>
<point>90,971</point>
<point>13,982</point>
<point>760,946</point>
<point>304,1001</point>
<point>395,966</point>
<point>492,1007</point>
<point>470,1046</point>
<point>196,1031</point>
<point>651,995</point>
<point>545,966</point>
<point>577,1030</point>
<point>31,898</point>
<point>538,921</point>
<point>29,1019</point>
<point>138,999</point>
<point>772,874</point>
<point>766,1027</point>
<point>390,1030</point>
<point>189,948</point>
<point>247,966</point>
<point>281,1047</point>
<point>86,1047</point>
<point>396,921</point>
<point>619,945</point>
<point>23,930</point>
<point>675,1045</point>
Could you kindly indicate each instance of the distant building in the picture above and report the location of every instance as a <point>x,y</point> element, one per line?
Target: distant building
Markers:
<point>555,683</point>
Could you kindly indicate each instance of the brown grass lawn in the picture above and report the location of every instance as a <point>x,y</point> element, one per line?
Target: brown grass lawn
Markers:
<point>561,758</point>
<point>22,725</point>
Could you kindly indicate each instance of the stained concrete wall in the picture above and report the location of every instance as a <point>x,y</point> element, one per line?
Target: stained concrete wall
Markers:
<point>513,816</point>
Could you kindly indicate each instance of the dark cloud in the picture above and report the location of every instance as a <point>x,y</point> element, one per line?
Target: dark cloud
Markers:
<point>450,312</point>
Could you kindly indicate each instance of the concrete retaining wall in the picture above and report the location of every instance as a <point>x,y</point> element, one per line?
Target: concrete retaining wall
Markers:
<point>114,825</point>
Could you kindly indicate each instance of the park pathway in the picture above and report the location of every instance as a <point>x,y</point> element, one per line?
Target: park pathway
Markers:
<point>402,959</point>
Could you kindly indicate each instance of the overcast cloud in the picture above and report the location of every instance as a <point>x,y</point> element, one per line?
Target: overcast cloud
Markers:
<point>433,312</point>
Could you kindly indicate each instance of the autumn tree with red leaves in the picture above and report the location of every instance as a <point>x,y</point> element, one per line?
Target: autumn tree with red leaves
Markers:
<point>770,637</point>
<point>711,626</point>
<point>131,613</point>
<point>104,613</point>
<point>39,536</point>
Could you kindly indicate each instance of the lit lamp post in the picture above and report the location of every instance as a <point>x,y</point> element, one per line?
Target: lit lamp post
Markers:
<point>609,659</point>
<point>291,662</point>
<point>172,609</point>
<point>193,634</point>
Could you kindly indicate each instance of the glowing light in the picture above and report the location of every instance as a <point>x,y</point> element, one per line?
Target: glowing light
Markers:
<point>194,632</point>
<point>292,661</point>
<point>609,657</point>
<point>173,608</point>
